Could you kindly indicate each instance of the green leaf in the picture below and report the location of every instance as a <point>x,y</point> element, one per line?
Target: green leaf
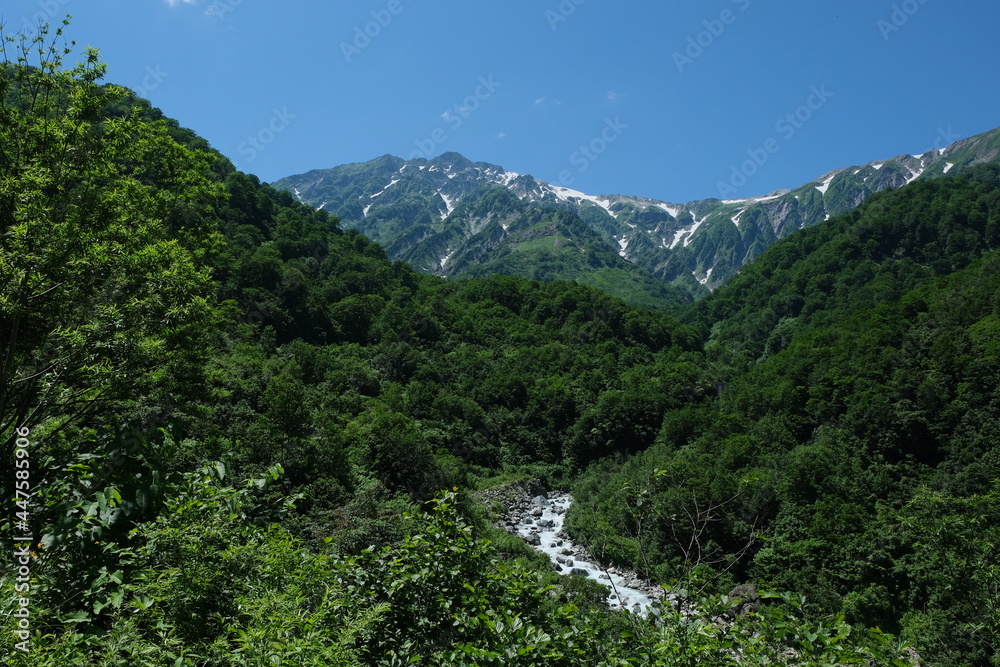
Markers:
<point>77,617</point>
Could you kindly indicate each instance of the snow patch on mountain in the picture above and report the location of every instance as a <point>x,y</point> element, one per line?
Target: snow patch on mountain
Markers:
<point>448,255</point>
<point>687,233</point>
<point>448,202</point>
<point>509,177</point>
<point>568,195</point>
<point>394,181</point>
<point>915,174</point>
<point>754,200</point>
<point>673,211</point>
<point>947,167</point>
<point>623,242</point>
<point>825,185</point>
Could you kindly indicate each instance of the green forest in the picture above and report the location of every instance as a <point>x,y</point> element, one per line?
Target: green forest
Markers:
<point>235,434</point>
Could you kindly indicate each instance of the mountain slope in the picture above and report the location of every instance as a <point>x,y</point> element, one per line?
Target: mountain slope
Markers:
<point>875,254</point>
<point>696,246</point>
<point>451,217</point>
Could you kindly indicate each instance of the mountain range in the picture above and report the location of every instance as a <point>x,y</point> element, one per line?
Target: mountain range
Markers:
<point>453,217</point>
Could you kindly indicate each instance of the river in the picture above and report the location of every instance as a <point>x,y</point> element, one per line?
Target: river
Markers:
<point>541,526</point>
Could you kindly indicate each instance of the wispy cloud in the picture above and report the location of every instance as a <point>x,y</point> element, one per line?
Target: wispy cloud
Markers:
<point>545,102</point>
<point>501,135</point>
<point>613,96</point>
<point>174,3</point>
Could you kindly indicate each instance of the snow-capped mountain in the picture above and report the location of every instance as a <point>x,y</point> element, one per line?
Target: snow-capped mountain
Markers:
<point>452,216</point>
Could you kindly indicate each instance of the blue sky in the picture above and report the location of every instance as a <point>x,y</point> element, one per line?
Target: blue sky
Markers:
<point>658,99</point>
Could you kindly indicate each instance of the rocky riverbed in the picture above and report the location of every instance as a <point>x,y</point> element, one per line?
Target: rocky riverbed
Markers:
<point>537,516</point>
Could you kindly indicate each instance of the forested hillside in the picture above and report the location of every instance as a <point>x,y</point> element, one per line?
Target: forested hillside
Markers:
<point>250,438</point>
<point>852,453</point>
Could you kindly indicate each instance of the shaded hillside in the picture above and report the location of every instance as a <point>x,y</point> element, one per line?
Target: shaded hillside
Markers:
<point>852,452</point>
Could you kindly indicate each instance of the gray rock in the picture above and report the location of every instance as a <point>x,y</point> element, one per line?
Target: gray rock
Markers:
<point>533,540</point>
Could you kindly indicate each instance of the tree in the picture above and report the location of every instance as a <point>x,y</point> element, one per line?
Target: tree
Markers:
<point>103,240</point>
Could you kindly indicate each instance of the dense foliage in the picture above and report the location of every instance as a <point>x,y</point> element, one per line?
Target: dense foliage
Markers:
<point>865,434</point>
<point>252,435</point>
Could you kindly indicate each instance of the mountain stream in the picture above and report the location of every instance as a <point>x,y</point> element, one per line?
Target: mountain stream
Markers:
<point>541,525</point>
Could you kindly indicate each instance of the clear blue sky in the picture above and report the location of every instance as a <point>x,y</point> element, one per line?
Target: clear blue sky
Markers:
<point>554,76</point>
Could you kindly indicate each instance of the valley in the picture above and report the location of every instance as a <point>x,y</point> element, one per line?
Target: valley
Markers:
<point>395,412</point>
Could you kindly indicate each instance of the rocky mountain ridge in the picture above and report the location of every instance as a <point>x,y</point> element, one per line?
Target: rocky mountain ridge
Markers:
<point>454,217</point>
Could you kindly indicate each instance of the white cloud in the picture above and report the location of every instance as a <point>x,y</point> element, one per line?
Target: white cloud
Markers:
<point>174,3</point>
<point>501,135</point>
<point>613,96</point>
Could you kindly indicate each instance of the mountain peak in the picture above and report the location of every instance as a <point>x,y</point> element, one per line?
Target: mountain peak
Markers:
<point>404,204</point>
